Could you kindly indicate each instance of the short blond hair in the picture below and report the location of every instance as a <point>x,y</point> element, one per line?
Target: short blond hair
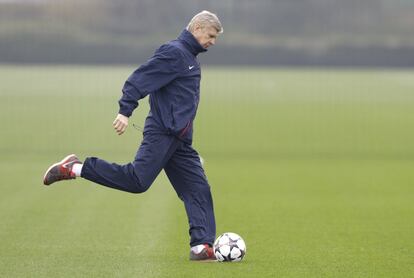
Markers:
<point>205,18</point>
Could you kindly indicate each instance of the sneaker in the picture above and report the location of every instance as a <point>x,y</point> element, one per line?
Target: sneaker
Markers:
<point>206,254</point>
<point>61,170</point>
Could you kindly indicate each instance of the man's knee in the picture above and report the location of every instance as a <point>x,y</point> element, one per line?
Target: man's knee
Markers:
<point>138,190</point>
<point>136,184</point>
<point>137,187</point>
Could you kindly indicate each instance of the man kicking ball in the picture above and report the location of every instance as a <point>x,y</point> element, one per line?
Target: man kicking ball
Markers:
<point>171,78</point>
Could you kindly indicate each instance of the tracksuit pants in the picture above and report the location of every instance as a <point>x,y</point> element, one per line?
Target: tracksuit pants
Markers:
<point>182,165</point>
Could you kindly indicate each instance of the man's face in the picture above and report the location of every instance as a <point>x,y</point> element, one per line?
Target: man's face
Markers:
<point>205,35</point>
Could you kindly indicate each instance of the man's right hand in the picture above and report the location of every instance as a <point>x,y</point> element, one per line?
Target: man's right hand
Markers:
<point>120,124</point>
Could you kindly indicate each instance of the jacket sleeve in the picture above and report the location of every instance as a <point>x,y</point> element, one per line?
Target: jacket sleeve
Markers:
<point>158,71</point>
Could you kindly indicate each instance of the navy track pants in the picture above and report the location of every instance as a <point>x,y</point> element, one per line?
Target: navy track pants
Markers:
<point>182,165</point>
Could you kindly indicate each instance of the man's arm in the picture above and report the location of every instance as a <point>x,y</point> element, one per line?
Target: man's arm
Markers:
<point>161,69</point>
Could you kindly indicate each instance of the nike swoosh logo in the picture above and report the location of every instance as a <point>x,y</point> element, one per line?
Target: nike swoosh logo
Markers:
<point>190,67</point>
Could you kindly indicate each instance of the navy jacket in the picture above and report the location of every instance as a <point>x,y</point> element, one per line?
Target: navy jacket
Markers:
<point>172,79</point>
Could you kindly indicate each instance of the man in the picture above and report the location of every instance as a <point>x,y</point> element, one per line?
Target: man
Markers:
<point>171,78</point>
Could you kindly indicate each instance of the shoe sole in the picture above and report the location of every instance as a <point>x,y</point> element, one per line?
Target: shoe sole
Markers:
<point>205,261</point>
<point>57,163</point>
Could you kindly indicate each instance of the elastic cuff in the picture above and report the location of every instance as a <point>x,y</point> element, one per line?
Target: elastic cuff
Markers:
<point>124,111</point>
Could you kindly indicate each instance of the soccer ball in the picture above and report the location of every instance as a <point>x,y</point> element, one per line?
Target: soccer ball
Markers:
<point>229,247</point>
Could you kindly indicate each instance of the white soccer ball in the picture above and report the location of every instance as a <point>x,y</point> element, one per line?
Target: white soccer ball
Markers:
<point>229,247</point>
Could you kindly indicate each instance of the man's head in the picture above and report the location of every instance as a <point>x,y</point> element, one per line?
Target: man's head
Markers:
<point>205,27</point>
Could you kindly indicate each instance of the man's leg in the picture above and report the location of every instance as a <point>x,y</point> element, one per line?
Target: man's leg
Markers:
<point>186,174</point>
<point>135,177</point>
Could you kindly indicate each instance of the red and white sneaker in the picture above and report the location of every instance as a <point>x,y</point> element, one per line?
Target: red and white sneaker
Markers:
<point>205,254</point>
<point>61,170</point>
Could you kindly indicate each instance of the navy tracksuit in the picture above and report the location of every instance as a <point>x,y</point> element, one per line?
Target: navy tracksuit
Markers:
<point>171,78</point>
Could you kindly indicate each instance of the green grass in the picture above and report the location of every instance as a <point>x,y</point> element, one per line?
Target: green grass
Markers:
<point>314,168</point>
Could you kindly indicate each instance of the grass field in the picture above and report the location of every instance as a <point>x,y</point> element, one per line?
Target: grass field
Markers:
<point>314,168</point>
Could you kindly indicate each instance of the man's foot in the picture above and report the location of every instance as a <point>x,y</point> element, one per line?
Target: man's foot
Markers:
<point>61,170</point>
<point>205,253</point>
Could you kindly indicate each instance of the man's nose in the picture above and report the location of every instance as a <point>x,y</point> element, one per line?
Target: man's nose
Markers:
<point>213,41</point>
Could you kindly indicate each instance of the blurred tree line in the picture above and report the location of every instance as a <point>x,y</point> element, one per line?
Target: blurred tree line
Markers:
<point>262,32</point>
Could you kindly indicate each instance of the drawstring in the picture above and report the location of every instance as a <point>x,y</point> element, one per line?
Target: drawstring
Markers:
<point>137,127</point>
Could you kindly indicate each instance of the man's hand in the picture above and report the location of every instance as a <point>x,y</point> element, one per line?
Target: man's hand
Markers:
<point>120,124</point>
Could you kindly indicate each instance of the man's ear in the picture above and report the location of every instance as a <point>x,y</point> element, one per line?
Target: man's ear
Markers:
<point>197,27</point>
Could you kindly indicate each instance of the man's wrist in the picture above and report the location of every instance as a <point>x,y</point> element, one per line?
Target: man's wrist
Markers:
<point>125,112</point>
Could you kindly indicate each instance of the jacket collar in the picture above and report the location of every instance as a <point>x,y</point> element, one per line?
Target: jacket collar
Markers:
<point>191,43</point>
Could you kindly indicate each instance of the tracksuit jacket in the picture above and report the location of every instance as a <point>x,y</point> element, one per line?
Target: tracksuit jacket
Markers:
<point>172,78</point>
